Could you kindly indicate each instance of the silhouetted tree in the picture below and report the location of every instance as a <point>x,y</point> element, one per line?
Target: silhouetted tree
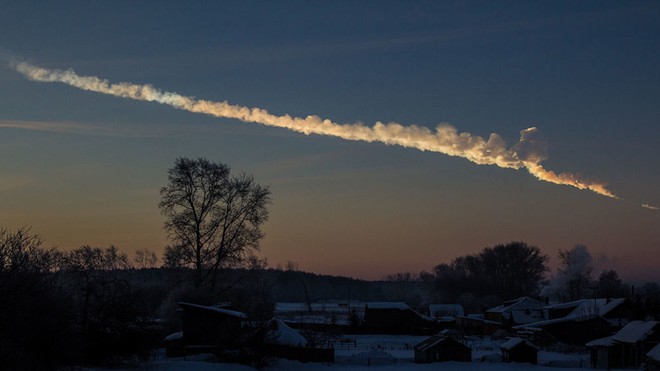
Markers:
<point>610,285</point>
<point>576,269</point>
<point>213,219</point>
<point>34,315</point>
<point>513,270</point>
<point>145,258</point>
<point>501,272</point>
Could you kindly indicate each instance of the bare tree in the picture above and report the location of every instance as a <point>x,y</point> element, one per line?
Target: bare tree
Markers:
<point>213,219</point>
<point>145,258</point>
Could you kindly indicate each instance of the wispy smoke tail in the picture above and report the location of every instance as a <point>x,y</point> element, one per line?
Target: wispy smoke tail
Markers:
<point>527,153</point>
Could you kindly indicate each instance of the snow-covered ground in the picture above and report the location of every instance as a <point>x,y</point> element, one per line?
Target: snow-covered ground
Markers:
<point>386,353</point>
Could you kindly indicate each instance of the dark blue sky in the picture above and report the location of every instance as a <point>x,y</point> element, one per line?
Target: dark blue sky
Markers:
<point>84,168</point>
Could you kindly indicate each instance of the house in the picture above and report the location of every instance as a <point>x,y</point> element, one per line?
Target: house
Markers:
<point>517,312</point>
<point>395,318</point>
<point>579,321</point>
<point>476,324</point>
<point>519,350</point>
<point>653,359</point>
<point>284,342</point>
<point>210,326</point>
<point>626,348</point>
<point>442,349</point>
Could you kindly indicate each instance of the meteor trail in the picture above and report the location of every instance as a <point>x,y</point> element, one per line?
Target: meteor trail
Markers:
<point>527,153</point>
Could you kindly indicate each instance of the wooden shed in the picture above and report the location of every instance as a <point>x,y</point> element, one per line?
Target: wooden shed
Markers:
<point>442,349</point>
<point>211,326</point>
<point>519,350</point>
<point>627,348</point>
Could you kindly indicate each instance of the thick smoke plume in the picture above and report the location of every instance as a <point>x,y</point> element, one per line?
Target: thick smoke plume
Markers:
<point>527,153</point>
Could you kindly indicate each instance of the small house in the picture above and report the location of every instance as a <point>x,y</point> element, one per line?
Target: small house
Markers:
<point>284,342</point>
<point>626,348</point>
<point>442,349</point>
<point>210,326</point>
<point>579,321</point>
<point>519,350</point>
<point>517,312</point>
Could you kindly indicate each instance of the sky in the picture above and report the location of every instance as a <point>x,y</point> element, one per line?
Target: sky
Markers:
<point>570,89</point>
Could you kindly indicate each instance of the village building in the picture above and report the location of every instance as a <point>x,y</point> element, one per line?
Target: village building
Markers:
<point>519,350</point>
<point>284,342</point>
<point>396,318</point>
<point>477,324</point>
<point>580,321</point>
<point>442,349</point>
<point>210,325</point>
<point>627,348</point>
<point>517,312</point>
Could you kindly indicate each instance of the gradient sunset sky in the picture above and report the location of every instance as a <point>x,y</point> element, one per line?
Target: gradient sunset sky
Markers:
<point>81,167</point>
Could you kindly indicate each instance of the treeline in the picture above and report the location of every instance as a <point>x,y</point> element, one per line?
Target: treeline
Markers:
<point>95,306</point>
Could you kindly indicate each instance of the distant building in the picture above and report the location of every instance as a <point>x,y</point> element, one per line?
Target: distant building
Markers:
<point>395,318</point>
<point>580,321</point>
<point>519,350</point>
<point>442,349</point>
<point>210,326</point>
<point>477,325</point>
<point>627,348</point>
<point>517,312</point>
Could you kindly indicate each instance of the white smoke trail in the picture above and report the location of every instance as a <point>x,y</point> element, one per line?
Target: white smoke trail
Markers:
<point>527,153</point>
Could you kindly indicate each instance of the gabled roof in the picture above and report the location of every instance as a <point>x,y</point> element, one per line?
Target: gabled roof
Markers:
<point>632,333</point>
<point>654,353</point>
<point>226,312</point>
<point>584,309</point>
<point>285,335</point>
<point>520,303</point>
<point>514,342</point>
<point>435,341</point>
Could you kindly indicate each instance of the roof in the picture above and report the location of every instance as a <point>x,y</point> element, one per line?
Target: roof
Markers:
<point>514,342</point>
<point>226,312</point>
<point>632,333</point>
<point>285,335</point>
<point>439,310</point>
<point>585,309</point>
<point>435,341</point>
<point>654,353</point>
<point>387,305</point>
<point>522,302</point>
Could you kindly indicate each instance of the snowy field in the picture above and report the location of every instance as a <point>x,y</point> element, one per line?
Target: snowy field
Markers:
<point>385,353</point>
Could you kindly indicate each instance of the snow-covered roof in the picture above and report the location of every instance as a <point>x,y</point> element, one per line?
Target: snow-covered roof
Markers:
<point>524,316</point>
<point>514,342</point>
<point>174,336</point>
<point>584,309</point>
<point>654,353</point>
<point>433,341</point>
<point>523,302</point>
<point>636,331</point>
<point>388,305</point>
<point>297,307</point>
<point>632,333</point>
<point>439,310</point>
<point>602,342</point>
<point>231,313</point>
<point>285,335</point>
